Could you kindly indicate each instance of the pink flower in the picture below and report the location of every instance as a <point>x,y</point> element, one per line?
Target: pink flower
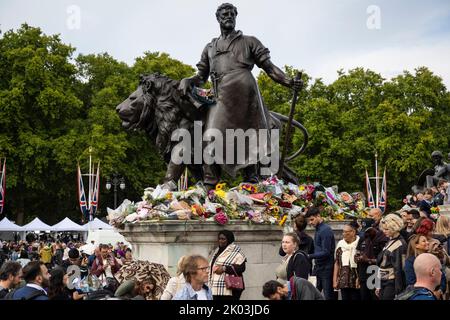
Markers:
<point>221,217</point>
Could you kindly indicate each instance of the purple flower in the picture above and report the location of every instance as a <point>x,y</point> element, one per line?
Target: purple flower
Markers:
<point>211,194</point>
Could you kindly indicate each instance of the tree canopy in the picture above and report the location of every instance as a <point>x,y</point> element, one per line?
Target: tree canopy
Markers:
<point>54,106</point>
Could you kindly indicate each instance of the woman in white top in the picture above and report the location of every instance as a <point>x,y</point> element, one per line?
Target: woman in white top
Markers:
<point>176,283</point>
<point>345,275</point>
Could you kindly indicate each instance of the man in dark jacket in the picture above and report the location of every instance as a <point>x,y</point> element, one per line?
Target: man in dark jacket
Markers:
<point>37,278</point>
<point>324,246</point>
<point>10,274</point>
<point>371,243</point>
<point>295,289</point>
<point>76,260</point>
<point>427,268</point>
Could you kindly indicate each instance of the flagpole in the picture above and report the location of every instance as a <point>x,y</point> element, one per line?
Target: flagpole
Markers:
<point>2,185</point>
<point>377,187</point>
<point>79,177</point>
<point>90,183</point>
<point>385,188</point>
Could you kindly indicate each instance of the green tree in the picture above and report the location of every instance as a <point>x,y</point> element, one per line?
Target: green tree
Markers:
<point>348,120</point>
<point>37,102</point>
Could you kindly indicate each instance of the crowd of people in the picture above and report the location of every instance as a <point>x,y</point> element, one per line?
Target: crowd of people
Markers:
<point>430,198</point>
<point>401,255</point>
<point>395,256</point>
<point>40,270</point>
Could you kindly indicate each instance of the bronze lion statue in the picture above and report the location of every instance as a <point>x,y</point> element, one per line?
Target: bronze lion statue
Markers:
<point>158,108</point>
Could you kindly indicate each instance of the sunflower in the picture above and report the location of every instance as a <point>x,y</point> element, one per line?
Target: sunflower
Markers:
<point>220,186</point>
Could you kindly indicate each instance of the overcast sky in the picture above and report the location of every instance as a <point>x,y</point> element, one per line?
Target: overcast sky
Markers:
<point>318,36</point>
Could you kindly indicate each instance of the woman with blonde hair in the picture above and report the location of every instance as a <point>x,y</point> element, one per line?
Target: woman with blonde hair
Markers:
<point>391,259</point>
<point>442,231</point>
<point>295,261</point>
<point>176,283</point>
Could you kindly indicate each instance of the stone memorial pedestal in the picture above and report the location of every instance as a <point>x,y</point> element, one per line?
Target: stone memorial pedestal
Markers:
<point>165,242</point>
<point>445,210</point>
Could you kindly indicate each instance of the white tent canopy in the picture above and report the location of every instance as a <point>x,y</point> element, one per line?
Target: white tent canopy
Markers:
<point>37,225</point>
<point>7,225</point>
<point>97,224</point>
<point>67,225</point>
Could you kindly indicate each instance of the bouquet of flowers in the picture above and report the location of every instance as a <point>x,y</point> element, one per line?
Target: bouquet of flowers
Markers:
<point>270,201</point>
<point>434,213</point>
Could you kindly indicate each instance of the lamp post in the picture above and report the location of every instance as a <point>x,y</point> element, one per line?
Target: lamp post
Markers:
<point>116,180</point>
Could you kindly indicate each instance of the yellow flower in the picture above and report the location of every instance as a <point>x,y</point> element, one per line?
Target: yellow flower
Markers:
<point>301,188</point>
<point>220,186</point>
<point>283,220</point>
<point>220,193</point>
<point>169,196</point>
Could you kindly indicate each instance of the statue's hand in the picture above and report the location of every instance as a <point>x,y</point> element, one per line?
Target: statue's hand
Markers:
<point>297,84</point>
<point>185,85</point>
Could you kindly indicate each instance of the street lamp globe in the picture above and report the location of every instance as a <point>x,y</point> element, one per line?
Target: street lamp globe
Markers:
<point>122,185</point>
<point>108,184</point>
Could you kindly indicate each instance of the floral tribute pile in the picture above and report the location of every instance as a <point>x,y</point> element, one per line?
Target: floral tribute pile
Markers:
<point>270,201</point>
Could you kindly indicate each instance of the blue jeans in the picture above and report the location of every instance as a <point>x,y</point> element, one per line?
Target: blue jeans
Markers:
<point>325,283</point>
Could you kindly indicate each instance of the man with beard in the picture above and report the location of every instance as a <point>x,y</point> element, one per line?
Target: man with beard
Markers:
<point>10,274</point>
<point>37,278</point>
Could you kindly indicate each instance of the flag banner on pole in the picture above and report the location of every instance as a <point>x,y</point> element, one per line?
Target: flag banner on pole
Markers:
<point>383,194</point>
<point>370,201</point>
<point>81,195</point>
<point>3,187</point>
<point>94,201</point>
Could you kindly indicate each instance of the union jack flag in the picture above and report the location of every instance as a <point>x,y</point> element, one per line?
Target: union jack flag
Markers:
<point>94,201</point>
<point>3,187</point>
<point>370,201</point>
<point>382,202</point>
<point>82,195</point>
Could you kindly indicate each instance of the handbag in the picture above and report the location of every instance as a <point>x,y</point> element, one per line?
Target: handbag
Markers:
<point>234,282</point>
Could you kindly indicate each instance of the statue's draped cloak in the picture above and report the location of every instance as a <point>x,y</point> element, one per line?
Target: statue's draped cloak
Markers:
<point>239,103</point>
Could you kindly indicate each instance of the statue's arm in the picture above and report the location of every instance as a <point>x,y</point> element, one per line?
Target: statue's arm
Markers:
<point>262,59</point>
<point>202,74</point>
<point>276,74</point>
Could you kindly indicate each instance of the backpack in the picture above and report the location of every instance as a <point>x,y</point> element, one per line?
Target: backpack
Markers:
<point>32,296</point>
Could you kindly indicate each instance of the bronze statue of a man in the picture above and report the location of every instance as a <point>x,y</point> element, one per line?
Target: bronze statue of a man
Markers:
<point>441,170</point>
<point>228,60</point>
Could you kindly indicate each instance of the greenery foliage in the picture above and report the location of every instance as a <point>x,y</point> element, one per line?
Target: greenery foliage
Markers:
<point>53,107</point>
